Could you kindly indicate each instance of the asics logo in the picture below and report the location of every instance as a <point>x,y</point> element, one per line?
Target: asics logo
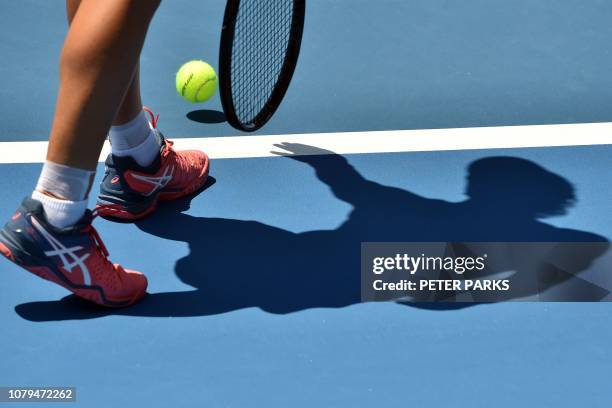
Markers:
<point>68,256</point>
<point>157,182</point>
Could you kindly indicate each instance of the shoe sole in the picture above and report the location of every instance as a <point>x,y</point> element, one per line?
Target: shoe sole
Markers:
<point>124,215</point>
<point>93,294</point>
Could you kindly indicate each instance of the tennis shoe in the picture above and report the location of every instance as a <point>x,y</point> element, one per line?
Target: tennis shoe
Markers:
<point>74,257</point>
<point>136,190</point>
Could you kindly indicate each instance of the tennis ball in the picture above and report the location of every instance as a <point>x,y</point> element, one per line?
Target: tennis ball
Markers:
<point>196,81</point>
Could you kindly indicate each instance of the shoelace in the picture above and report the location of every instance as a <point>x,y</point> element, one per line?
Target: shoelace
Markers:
<point>93,233</point>
<point>154,119</point>
<point>169,144</point>
<point>153,116</point>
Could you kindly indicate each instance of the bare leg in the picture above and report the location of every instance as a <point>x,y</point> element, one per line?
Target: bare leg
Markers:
<point>132,102</point>
<point>98,64</point>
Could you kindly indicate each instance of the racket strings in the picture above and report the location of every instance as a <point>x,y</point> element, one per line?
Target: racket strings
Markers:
<point>261,41</point>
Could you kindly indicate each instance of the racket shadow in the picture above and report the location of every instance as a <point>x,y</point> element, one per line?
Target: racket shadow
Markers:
<point>240,264</point>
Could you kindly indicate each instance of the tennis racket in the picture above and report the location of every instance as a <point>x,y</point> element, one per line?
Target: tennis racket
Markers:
<point>260,47</point>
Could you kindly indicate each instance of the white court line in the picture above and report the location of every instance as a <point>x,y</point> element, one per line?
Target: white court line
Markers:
<point>367,142</point>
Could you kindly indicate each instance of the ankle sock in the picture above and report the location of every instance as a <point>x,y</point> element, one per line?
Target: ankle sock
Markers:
<point>64,182</point>
<point>135,139</point>
<point>63,192</point>
<point>61,213</point>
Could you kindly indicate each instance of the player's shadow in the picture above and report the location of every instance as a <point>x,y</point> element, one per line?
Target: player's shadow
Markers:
<point>235,264</point>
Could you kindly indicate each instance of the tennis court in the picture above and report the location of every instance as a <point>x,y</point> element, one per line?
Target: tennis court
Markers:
<point>253,301</point>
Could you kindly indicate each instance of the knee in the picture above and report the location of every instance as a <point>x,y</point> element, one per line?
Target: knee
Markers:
<point>97,47</point>
<point>77,59</point>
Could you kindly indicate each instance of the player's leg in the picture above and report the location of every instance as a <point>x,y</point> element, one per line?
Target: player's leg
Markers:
<point>131,105</point>
<point>51,234</point>
<point>131,127</point>
<point>98,64</point>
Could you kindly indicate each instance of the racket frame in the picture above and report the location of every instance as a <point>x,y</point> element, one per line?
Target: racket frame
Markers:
<point>286,75</point>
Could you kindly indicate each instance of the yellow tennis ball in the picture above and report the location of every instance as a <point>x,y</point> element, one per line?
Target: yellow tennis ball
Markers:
<point>196,81</point>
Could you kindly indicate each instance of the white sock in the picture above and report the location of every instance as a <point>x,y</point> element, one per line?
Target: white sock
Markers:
<point>65,182</point>
<point>61,213</point>
<point>135,139</point>
<point>71,187</point>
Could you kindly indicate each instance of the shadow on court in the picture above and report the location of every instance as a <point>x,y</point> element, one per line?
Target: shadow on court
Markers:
<point>208,116</point>
<point>236,264</point>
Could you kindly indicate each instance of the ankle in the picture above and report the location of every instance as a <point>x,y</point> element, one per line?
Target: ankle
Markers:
<point>145,153</point>
<point>131,134</point>
<point>64,182</point>
<point>60,213</point>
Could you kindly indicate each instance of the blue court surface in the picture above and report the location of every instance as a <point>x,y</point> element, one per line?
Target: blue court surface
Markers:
<point>254,283</point>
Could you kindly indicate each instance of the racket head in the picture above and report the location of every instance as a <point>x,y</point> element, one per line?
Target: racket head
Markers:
<point>260,48</point>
